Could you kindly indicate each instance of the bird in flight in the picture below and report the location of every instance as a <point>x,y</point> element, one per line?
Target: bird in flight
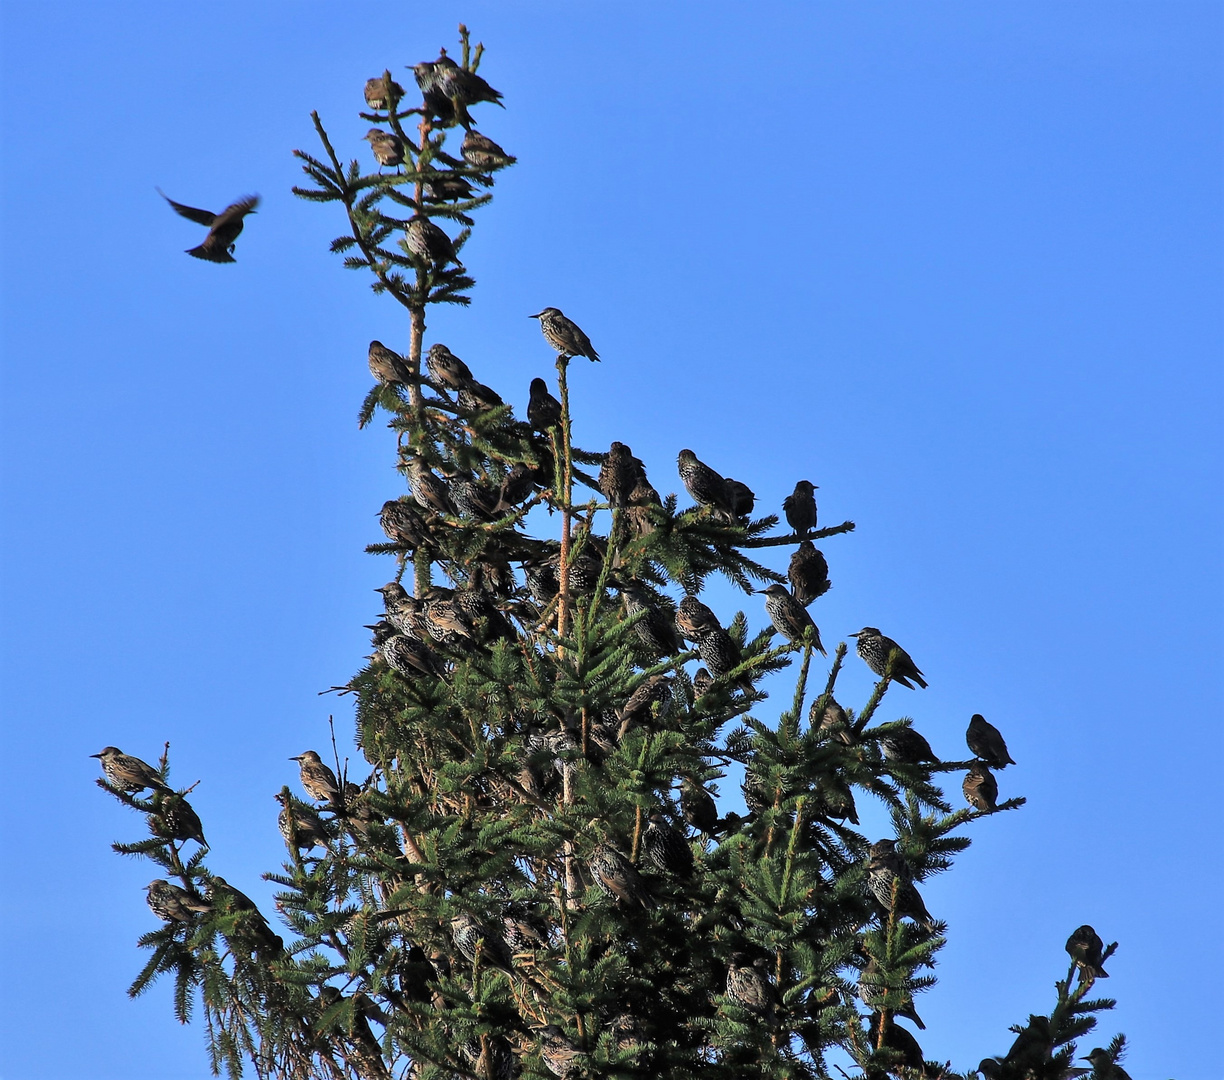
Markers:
<point>223,228</point>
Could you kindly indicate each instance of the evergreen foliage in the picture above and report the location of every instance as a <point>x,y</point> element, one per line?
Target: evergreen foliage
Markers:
<point>530,877</point>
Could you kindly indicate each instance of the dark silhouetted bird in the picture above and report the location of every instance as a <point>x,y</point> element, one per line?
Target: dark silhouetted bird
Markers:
<point>741,499</point>
<point>667,850</point>
<point>543,410</point>
<point>1104,1067</point>
<point>387,146</point>
<point>376,92</point>
<point>981,788</point>
<point>887,871</point>
<point>985,741</point>
<point>523,928</point>
<point>446,369</point>
<point>694,620</point>
<point>702,681</point>
<point>800,507</point>
<point>564,334</point>
<point>902,1043</point>
<point>1032,1047</point>
<point>172,904</point>
<point>749,986</point>
<point>906,745</point>
<point>618,475</point>
<point>876,649</point>
<point>128,773</point>
<point>789,617</point>
<point>474,397</point>
<point>560,1055</point>
<point>387,366</point>
<point>471,498</point>
<point>832,719</point>
<point>1086,949</point>
<point>301,827</point>
<point>616,875</point>
<point>174,819</point>
<point>808,573</point>
<point>429,243</point>
<point>701,482</point>
<point>437,103</point>
<point>483,153</point>
<point>445,187</point>
<point>470,936</point>
<point>461,87</point>
<point>223,228</point>
<point>318,780</point>
<point>698,807</point>
<point>517,484</point>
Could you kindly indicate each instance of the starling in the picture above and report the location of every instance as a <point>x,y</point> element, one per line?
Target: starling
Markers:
<point>984,741</point>
<point>174,819</point>
<point>490,1057</point>
<point>1032,1046</point>
<point>1086,949</point>
<point>429,243</point>
<point>656,688</point>
<point>702,482</point>
<point>443,620</point>
<point>172,904</point>
<point>523,928</point>
<point>387,146</point>
<point>618,475</point>
<point>836,799</point>
<point>981,788</point>
<point>615,874</point>
<point>318,780</point>
<point>872,989</point>
<point>749,986</point>
<point>702,681</point>
<point>808,573</point>
<point>564,335</point>
<point>832,720</point>
<point>698,807</point>
<point>483,153</point>
<point>299,825</point>
<point>887,870</point>
<point>789,617</point>
<point>543,410</point>
<point>376,92</point>
<point>800,507</point>
<point>694,620</point>
<point>403,611</point>
<point>128,773</point>
<point>886,658</point>
<point>470,498</point>
<point>415,974</point>
<point>387,366</point>
<point>437,103</point>
<point>641,499</point>
<point>427,489</point>
<point>463,87</point>
<point>558,1052</point>
<point>475,397</point>
<point>666,849</point>
<point>471,938</point>
<point>740,498</point>
<point>1104,1067</point>
<point>518,483</point>
<point>719,652</point>
<point>447,187</point>
<point>402,524</point>
<point>223,228</point>
<point>901,1042</point>
<point>446,369</point>
<point>907,746</point>
<point>656,630</point>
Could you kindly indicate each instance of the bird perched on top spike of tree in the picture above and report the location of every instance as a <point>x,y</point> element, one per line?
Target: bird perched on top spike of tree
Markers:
<point>1085,947</point>
<point>128,773</point>
<point>223,228</point>
<point>564,334</point>
<point>886,658</point>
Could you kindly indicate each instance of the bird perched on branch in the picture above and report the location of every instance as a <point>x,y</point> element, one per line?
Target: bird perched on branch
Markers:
<point>299,825</point>
<point>387,366</point>
<point>428,242</point>
<point>749,986</point>
<point>470,936</point>
<point>1087,950</point>
<point>618,475</point>
<point>383,92</point>
<point>429,492</point>
<point>223,228</point>
<point>888,872</point>
<point>387,146</point>
<point>698,806</point>
<point>558,1052</point>
<point>741,499</point>
<point>318,780</point>
<point>1104,1067</point>
<point>981,788</point>
<point>789,617</point>
<point>666,848</point>
<point>616,875</point>
<point>543,410</point>
<point>445,368</point>
<point>402,524</point>
<point>808,573</point>
<point>877,650</point>
<point>172,904</point>
<point>694,619</point>
<point>985,741</point>
<point>800,507</point>
<point>906,745</point>
<point>701,482</point>
<point>174,819</point>
<point>483,153</point>
<point>128,773</point>
<point>564,334</point>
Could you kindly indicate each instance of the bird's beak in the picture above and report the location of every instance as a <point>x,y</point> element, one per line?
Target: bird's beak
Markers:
<point>95,755</point>
<point>535,316</point>
<point>298,758</point>
<point>855,635</point>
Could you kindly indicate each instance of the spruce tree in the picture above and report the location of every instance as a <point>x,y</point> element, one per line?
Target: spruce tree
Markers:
<point>531,873</point>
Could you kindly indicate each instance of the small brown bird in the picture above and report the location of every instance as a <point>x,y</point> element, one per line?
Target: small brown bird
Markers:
<point>800,507</point>
<point>409,656</point>
<point>386,366</point>
<point>789,617</point>
<point>694,620</point>
<point>429,492</point>
<point>698,807</point>
<point>808,573</point>
<point>483,153</point>
<point>1104,1067</point>
<point>429,243</point>
<point>299,825</point>
<point>444,187</point>
<point>318,780</point>
<point>615,874</point>
<point>172,904</point>
<point>832,720</point>
<point>1032,1046</point>
<point>564,334</point>
<point>558,1052</point>
<point>906,745</point>
<point>749,986</point>
<point>174,819</point>
<point>376,92</point>
<point>887,871</point>
<point>470,936</point>
<point>985,741</point>
<point>402,524</point>
<point>702,681</point>
<point>543,410</point>
<point>666,849</point>
<point>223,228</point>
<point>446,369</point>
<point>701,482</point>
<point>981,788</point>
<point>128,773</point>
<point>886,658</point>
<point>1086,949</point>
<point>387,146</point>
<point>618,475</point>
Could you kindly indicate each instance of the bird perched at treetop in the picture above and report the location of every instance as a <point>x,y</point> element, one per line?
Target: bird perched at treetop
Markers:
<point>887,870</point>
<point>428,242</point>
<point>128,773</point>
<point>1086,949</point>
<point>906,745</point>
<point>299,825</point>
<point>564,334</point>
<point>666,848</point>
<point>376,92</point>
<point>789,617</point>
<point>483,153</point>
<point>172,904</point>
<point>800,507</point>
<point>985,741</point>
<point>1104,1067</point>
<point>174,819</point>
<point>876,649</point>
<point>387,366</point>
<point>223,228</point>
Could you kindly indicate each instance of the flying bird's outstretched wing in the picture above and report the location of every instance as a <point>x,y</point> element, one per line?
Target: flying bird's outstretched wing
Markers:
<point>200,217</point>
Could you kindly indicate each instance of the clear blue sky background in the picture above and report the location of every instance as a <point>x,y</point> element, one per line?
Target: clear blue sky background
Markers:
<point>958,263</point>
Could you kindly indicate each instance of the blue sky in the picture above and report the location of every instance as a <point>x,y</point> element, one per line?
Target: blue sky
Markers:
<point>959,264</point>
